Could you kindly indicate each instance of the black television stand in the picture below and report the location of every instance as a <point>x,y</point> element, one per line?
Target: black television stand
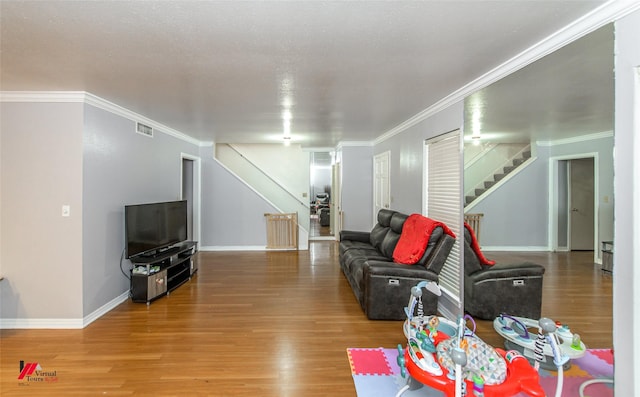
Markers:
<point>158,275</point>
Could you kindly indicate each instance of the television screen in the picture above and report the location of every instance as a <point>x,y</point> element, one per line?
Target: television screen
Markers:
<point>152,227</point>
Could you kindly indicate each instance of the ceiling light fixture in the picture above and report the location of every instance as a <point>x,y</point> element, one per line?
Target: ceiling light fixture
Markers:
<point>286,126</point>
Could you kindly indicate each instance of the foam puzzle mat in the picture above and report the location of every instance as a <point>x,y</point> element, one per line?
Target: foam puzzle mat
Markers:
<point>376,373</point>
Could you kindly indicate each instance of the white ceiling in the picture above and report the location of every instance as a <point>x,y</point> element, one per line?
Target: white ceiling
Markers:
<point>226,71</point>
<point>563,95</point>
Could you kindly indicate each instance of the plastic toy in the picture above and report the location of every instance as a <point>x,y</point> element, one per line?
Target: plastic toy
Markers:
<point>554,343</point>
<point>517,335</point>
<point>449,357</point>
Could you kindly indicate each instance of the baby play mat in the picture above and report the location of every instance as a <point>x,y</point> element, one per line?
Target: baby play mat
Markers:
<point>375,373</point>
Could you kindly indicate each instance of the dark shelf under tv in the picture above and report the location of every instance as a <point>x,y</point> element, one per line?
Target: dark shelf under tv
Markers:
<point>158,275</point>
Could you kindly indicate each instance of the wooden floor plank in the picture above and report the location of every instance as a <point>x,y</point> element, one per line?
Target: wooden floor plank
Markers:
<point>261,324</point>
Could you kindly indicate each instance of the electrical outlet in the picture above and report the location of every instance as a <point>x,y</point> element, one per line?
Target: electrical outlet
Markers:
<point>66,210</point>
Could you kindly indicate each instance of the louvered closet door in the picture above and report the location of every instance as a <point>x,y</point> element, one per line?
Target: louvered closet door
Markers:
<point>443,202</point>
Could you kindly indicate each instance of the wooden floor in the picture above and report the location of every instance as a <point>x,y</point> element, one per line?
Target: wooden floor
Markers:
<point>259,324</point>
<point>316,230</point>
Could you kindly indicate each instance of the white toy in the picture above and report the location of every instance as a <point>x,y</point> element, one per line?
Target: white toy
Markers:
<point>515,330</point>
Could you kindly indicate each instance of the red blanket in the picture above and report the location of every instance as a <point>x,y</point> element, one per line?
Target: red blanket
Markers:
<point>475,246</point>
<point>415,235</point>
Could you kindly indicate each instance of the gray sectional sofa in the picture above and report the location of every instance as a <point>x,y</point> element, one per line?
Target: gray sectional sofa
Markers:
<point>381,285</point>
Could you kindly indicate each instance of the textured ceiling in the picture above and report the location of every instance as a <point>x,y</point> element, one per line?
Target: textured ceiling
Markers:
<point>226,71</point>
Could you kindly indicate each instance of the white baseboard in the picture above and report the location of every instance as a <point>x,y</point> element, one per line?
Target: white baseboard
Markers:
<point>322,238</point>
<point>240,248</point>
<point>233,248</point>
<point>105,308</point>
<point>41,323</point>
<point>61,323</point>
<point>516,248</point>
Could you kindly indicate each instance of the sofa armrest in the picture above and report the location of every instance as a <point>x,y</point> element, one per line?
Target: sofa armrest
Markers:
<point>508,271</point>
<point>387,288</point>
<point>438,255</point>
<point>354,236</point>
<point>514,289</point>
<point>381,268</point>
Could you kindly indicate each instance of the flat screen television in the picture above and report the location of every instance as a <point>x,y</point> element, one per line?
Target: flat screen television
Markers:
<point>154,227</point>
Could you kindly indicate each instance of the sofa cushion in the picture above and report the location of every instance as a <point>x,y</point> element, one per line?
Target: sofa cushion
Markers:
<point>347,245</point>
<point>384,217</point>
<point>378,233</point>
<point>397,222</point>
<point>390,240</point>
<point>361,253</point>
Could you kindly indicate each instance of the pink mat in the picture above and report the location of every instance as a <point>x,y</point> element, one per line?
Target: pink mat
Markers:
<point>376,373</point>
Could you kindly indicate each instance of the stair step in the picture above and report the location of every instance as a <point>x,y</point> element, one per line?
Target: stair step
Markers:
<point>517,162</point>
<point>497,177</point>
<point>508,169</point>
<point>480,191</point>
<point>526,155</point>
<point>469,199</point>
<point>488,184</point>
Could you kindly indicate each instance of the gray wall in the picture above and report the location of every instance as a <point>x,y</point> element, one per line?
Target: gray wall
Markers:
<point>406,165</point>
<point>626,259</point>
<point>75,154</point>
<point>517,206</point>
<point>523,202</point>
<point>232,213</point>
<point>357,187</point>
<point>120,167</point>
<point>41,253</point>
<point>604,149</point>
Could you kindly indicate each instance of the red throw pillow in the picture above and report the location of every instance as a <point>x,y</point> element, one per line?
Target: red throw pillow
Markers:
<point>413,240</point>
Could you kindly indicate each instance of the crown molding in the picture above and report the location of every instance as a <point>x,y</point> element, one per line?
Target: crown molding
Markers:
<point>576,139</point>
<point>606,13</point>
<point>43,96</point>
<point>354,144</point>
<point>95,101</point>
<point>111,107</point>
<point>318,149</point>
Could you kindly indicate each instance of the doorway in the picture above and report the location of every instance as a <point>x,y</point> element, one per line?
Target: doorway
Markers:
<point>321,195</point>
<point>190,191</point>
<point>381,183</point>
<point>574,206</point>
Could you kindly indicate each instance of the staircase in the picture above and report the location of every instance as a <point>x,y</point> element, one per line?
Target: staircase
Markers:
<point>266,186</point>
<point>499,175</point>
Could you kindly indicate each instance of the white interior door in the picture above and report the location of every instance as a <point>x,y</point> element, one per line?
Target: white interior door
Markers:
<point>381,183</point>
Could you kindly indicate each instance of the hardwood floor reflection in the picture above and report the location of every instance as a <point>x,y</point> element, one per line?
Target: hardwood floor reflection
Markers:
<point>317,230</point>
<point>576,292</point>
<point>259,324</point>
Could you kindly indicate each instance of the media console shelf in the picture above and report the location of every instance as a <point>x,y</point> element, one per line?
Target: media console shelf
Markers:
<point>153,277</point>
